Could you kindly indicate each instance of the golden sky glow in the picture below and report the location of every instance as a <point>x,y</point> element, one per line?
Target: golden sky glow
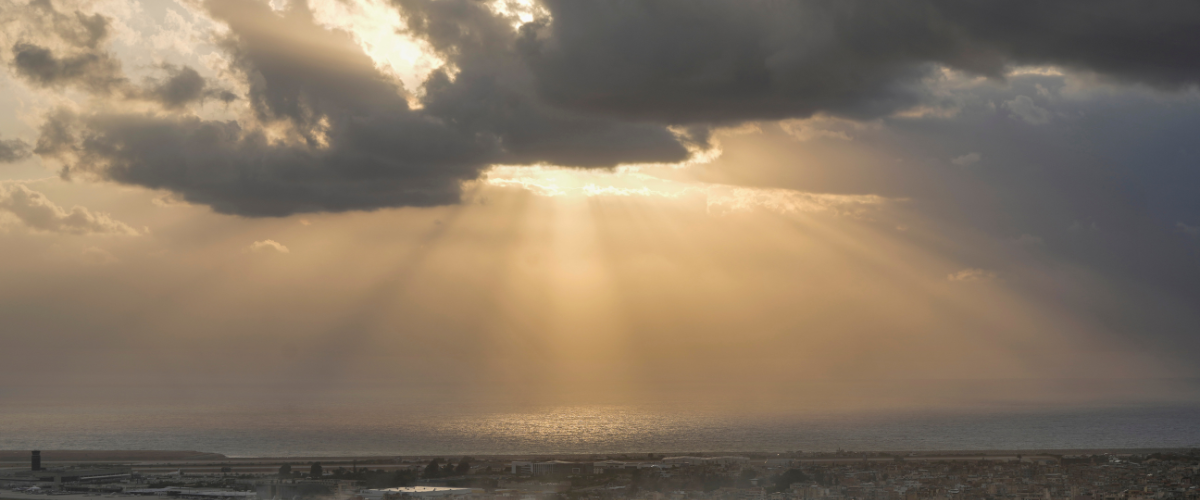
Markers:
<point>858,256</point>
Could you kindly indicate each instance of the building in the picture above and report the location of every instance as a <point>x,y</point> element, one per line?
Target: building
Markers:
<point>552,468</point>
<point>561,468</point>
<point>59,475</point>
<point>302,488</point>
<point>200,493</point>
<point>522,468</point>
<point>419,492</point>
<point>612,465</point>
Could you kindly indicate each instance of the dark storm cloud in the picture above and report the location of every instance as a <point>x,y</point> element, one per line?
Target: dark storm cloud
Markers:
<point>720,61</point>
<point>493,93</point>
<point>490,101</point>
<point>376,161</point>
<point>359,145</point>
<point>594,84</point>
<point>1155,42</point>
<point>356,144</point>
<point>730,60</point>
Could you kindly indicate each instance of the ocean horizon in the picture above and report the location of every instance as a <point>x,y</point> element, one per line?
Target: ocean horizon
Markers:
<point>449,429</point>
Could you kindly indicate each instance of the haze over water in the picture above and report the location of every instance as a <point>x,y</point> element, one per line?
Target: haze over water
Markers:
<point>334,430</point>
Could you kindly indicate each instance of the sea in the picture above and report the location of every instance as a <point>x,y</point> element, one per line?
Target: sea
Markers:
<point>450,429</point>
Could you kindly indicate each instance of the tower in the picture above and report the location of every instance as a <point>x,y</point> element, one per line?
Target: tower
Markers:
<point>35,460</point>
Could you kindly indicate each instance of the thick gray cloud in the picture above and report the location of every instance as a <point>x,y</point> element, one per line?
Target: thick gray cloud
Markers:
<point>99,72</point>
<point>358,145</point>
<point>379,161</point>
<point>12,150</point>
<point>730,60</point>
<point>94,71</point>
<point>182,86</point>
<point>493,93</point>
<point>593,84</point>
<point>77,57</point>
<point>1154,42</point>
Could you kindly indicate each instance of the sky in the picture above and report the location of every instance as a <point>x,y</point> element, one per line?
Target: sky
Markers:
<point>815,203</point>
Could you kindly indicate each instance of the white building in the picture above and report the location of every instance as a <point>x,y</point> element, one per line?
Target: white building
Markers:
<point>420,492</point>
<point>522,468</point>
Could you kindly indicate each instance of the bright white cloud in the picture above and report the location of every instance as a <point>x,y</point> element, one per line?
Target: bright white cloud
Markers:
<point>177,33</point>
<point>268,246</point>
<point>375,26</point>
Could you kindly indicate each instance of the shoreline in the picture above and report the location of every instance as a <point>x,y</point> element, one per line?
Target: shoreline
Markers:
<point>20,458</point>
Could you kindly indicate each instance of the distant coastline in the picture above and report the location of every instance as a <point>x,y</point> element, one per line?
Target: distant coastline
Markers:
<point>166,458</point>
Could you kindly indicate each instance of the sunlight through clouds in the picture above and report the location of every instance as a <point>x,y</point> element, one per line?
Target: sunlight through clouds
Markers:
<point>632,182</point>
<point>519,11</point>
<point>527,197</point>
<point>378,28</point>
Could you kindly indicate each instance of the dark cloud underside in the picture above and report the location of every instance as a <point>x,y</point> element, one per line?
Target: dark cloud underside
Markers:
<point>595,84</point>
<point>731,60</point>
<point>359,146</point>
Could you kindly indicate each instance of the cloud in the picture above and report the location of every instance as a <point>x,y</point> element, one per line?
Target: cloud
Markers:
<point>1193,231</point>
<point>37,212</point>
<point>823,127</point>
<point>1025,109</point>
<point>719,199</point>
<point>39,18</point>
<point>350,139</point>
<point>51,48</point>
<point>68,51</point>
<point>579,84</point>
<point>177,33</point>
<point>967,159</point>
<point>13,150</point>
<point>731,60</point>
<point>268,245</point>
<point>183,86</point>
<point>972,275</point>
<point>723,199</point>
<point>97,255</point>
<point>96,72</point>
